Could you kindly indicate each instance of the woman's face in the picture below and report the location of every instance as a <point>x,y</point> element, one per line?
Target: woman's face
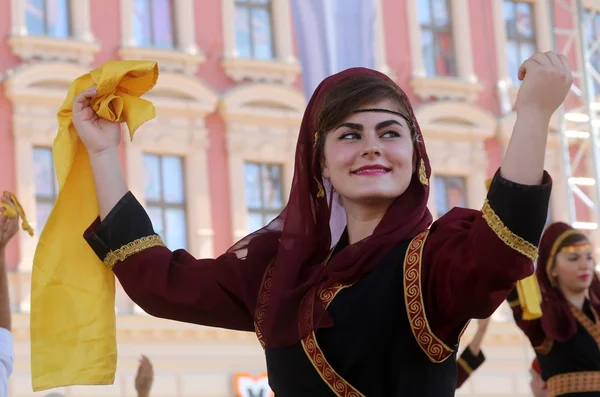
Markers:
<point>574,267</point>
<point>369,157</point>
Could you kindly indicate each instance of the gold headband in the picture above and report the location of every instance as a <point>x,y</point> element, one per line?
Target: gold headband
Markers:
<point>554,251</point>
<point>577,248</point>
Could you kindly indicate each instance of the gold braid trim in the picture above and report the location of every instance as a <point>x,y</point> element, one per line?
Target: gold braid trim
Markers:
<point>515,242</point>
<point>574,382</point>
<point>132,248</point>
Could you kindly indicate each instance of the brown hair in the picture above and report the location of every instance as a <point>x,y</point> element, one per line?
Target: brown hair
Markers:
<point>347,97</point>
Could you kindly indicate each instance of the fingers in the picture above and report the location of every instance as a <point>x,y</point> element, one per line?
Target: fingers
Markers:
<point>83,99</point>
<point>554,60</point>
<point>548,59</point>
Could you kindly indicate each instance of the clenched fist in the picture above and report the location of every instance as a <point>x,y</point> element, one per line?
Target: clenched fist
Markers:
<point>96,133</point>
<point>546,80</point>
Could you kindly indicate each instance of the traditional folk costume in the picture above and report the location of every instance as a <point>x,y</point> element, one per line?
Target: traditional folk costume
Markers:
<point>380,317</point>
<point>466,364</point>
<point>566,339</point>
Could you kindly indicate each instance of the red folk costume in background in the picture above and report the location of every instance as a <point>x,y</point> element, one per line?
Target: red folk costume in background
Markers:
<point>566,340</point>
<point>381,317</point>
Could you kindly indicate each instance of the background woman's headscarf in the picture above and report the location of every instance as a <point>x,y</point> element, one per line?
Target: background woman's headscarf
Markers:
<point>557,320</point>
<point>312,222</point>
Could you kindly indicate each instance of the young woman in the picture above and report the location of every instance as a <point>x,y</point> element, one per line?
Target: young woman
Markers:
<point>348,290</point>
<point>567,336</point>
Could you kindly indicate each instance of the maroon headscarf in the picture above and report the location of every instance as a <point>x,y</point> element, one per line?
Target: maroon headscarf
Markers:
<point>311,223</point>
<point>557,319</point>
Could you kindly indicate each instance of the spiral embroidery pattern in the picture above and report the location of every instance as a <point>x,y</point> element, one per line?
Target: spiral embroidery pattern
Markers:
<point>436,350</point>
<point>336,383</point>
<point>263,300</point>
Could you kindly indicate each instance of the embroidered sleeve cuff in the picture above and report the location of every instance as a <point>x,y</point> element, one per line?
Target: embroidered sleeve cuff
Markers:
<point>469,361</point>
<point>517,213</point>
<point>126,230</point>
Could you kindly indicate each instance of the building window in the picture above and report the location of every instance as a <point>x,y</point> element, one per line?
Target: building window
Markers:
<point>450,192</point>
<point>520,35</point>
<point>153,24</point>
<point>48,18</point>
<point>46,185</point>
<point>264,195</point>
<point>165,198</point>
<point>436,37</point>
<point>254,29</point>
<point>593,36</point>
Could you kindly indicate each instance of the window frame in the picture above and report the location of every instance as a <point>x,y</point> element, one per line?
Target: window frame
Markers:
<point>263,211</point>
<point>283,68</point>
<point>162,204</point>
<point>250,6</point>
<point>80,47</point>
<point>465,86</point>
<point>519,40</point>
<point>434,29</point>
<point>184,57</point>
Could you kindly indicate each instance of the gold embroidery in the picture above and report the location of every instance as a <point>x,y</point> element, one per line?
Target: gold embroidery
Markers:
<point>465,365</point>
<point>545,347</point>
<point>432,346</point>
<point>263,300</point>
<point>515,242</point>
<point>577,248</point>
<point>336,383</point>
<point>574,382</point>
<point>132,248</point>
<point>423,173</point>
<point>552,255</point>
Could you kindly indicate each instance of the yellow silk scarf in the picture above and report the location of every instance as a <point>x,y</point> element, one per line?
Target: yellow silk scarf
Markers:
<point>73,324</point>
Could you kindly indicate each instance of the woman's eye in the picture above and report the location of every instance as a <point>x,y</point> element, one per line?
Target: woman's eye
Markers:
<point>349,135</point>
<point>391,134</point>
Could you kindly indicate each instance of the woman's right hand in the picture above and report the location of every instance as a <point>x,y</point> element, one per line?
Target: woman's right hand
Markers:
<point>96,133</point>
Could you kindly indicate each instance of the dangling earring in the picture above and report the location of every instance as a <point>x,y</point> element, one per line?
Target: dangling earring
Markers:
<point>423,173</point>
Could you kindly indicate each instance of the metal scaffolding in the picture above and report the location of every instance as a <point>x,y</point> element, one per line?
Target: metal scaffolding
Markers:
<point>578,119</point>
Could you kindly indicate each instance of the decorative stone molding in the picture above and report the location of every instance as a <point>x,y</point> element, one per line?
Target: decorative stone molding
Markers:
<point>262,122</point>
<point>465,85</point>
<point>456,120</point>
<point>455,133</point>
<point>284,68</point>
<point>185,58</point>
<point>446,88</point>
<point>79,48</point>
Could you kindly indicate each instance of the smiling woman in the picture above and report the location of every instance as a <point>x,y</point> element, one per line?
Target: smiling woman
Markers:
<point>350,289</point>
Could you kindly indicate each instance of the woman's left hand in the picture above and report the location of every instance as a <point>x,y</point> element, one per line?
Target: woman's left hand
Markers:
<point>546,80</point>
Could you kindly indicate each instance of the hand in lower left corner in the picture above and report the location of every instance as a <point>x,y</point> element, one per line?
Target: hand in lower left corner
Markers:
<point>144,377</point>
<point>8,225</point>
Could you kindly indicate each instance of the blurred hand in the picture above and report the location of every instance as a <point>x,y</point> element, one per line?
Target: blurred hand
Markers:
<point>8,226</point>
<point>144,377</point>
